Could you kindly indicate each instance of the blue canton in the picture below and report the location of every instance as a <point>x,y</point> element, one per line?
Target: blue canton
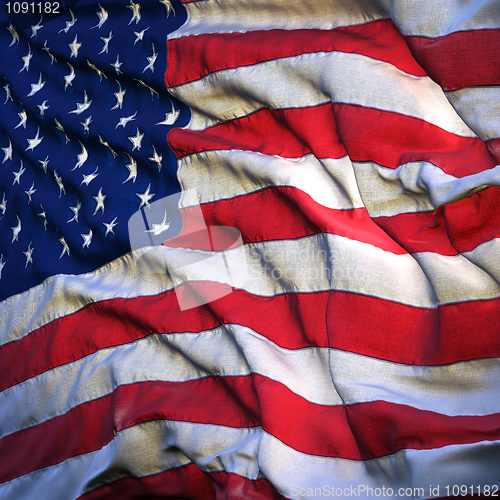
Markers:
<point>83,123</point>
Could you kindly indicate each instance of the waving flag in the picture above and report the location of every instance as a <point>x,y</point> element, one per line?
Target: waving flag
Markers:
<point>348,346</point>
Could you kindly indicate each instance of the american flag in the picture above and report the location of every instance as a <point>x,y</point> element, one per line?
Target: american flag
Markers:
<point>354,350</point>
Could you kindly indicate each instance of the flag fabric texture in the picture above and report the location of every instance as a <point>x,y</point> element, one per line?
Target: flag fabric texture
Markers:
<point>355,147</point>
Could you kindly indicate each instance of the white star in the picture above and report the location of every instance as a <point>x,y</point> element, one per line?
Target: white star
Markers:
<point>145,197</point>
<point>87,239</point>
<point>16,230</point>
<point>44,163</point>
<point>26,60</point>
<point>82,157</point>
<point>106,144</point>
<point>24,118</point>
<point>170,117</point>
<point>123,121</point>
<point>87,179</point>
<point>119,98</point>
<point>117,65</point>
<point>43,215</point>
<point>69,24</point>
<point>136,12</point>
<point>161,227</point>
<point>86,124</point>
<point>8,152</point>
<point>59,183</point>
<point>30,191</point>
<point>75,211</point>
<point>156,158</point>
<point>36,87</point>
<point>2,264</point>
<point>99,202</point>
<point>132,169</point>
<point>74,47</point>
<point>97,70</point>
<point>153,91</point>
<point>33,143</point>
<point>110,226</point>
<point>43,107</point>
<point>15,36</point>
<point>168,6</point>
<point>65,249</point>
<point>103,17</point>
<point>29,255</point>
<point>36,27</point>
<point>3,205</point>
<point>47,49</point>
<point>8,96</point>
<point>151,60</point>
<point>139,35</point>
<point>68,79</point>
<point>61,128</point>
<point>106,41</point>
<point>136,140</point>
<point>82,106</point>
<point>17,175</point>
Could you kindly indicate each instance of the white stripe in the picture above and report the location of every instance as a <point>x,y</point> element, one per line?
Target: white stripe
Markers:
<point>321,261</point>
<point>333,183</point>
<point>309,264</point>
<point>311,79</point>
<point>293,472</point>
<point>480,109</point>
<point>152,447</point>
<point>415,187</point>
<point>229,16</point>
<point>464,388</point>
<point>431,19</point>
<point>474,271</point>
<point>486,257</point>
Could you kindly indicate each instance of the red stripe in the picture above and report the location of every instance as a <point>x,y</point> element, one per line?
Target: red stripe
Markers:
<point>494,147</point>
<point>284,212</point>
<point>219,51</point>
<point>391,139</point>
<point>269,131</point>
<point>462,331</point>
<point>419,232</point>
<point>473,220</point>
<point>278,213</point>
<point>450,229</point>
<point>414,336</point>
<point>297,215</point>
<point>187,483</point>
<point>351,432</point>
<point>334,130</point>
<point>461,59</point>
